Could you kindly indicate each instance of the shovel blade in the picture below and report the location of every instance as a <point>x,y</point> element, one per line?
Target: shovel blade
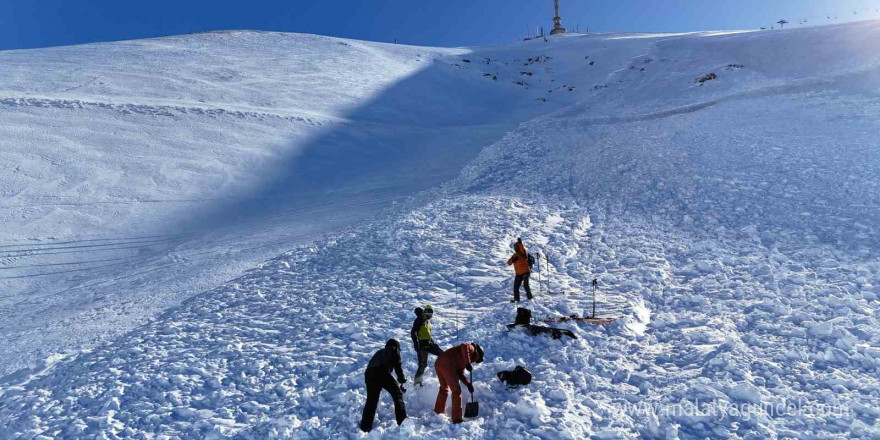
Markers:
<point>471,409</point>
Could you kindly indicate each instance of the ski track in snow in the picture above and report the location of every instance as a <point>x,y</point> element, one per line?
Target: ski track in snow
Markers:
<point>731,226</point>
<point>149,109</point>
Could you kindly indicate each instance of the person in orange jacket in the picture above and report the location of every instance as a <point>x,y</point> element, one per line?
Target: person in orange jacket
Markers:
<point>450,368</point>
<point>520,262</point>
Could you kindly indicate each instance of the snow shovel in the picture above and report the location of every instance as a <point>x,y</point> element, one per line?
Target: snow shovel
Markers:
<point>472,409</point>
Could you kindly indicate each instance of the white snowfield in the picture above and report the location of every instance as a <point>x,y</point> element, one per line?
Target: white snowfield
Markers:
<point>724,188</point>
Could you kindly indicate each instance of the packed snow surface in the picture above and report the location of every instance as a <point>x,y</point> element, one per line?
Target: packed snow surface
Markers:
<point>207,236</point>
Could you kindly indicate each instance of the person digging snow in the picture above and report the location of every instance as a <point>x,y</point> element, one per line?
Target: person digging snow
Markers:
<point>450,368</point>
<point>423,340</point>
<point>378,377</point>
<point>520,262</point>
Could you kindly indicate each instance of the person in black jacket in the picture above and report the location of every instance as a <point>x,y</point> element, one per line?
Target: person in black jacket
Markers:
<point>378,377</point>
<point>423,340</point>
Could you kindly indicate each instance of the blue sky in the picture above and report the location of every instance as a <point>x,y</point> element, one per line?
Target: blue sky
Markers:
<point>41,23</point>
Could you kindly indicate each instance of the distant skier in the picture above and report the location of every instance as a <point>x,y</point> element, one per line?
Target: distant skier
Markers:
<point>423,340</point>
<point>378,377</point>
<point>522,269</point>
<point>450,368</point>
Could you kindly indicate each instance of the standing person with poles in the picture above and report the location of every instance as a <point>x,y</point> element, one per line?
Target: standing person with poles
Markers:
<point>423,340</point>
<point>378,378</point>
<point>521,268</point>
<point>450,368</point>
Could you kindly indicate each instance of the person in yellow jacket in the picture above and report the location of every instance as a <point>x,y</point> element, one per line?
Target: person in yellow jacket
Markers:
<point>423,340</point>
<point>520,263</point>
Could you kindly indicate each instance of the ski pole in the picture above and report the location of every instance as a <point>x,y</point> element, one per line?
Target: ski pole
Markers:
<point>540,288</point>
<point>595,283</point>
<point>539,270</point>
<point>547,260</point>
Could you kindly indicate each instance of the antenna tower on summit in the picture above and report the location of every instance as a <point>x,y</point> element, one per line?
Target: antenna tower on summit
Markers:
<point>557,21</point>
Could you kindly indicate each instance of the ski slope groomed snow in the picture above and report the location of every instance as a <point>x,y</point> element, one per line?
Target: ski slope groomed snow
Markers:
<point>207,236</point>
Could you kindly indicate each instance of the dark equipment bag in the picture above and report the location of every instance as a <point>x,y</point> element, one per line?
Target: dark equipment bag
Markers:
<point>523,316</point>
<point>518,376</point>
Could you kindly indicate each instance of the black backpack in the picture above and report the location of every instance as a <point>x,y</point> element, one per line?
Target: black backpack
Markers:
<point>523,316</point>
<point>531,260</point>
<point>519,376</point>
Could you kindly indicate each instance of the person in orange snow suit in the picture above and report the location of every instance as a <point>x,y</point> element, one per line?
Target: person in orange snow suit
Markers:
<point>450,368</point>
<point>520,262</point>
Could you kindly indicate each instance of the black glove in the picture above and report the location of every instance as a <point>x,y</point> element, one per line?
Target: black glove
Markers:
<point>469,367</point>
<point>402,381</point>
<point>470,388</point>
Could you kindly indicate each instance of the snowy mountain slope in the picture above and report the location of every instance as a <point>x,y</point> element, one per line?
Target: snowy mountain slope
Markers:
<point>729,224</point>
<point>139,173</point>
<point>108,146</point>
<point>785,144</point>
<point>246,70</point>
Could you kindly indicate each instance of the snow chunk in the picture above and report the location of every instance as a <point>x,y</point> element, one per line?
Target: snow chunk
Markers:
<point>822,329</point>
<point>745,393</point>
<point>534,408</point>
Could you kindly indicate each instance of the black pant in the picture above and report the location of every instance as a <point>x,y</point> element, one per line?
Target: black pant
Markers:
<point>426,348</point>
<point>524,280</point>
<point>377,379</point>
